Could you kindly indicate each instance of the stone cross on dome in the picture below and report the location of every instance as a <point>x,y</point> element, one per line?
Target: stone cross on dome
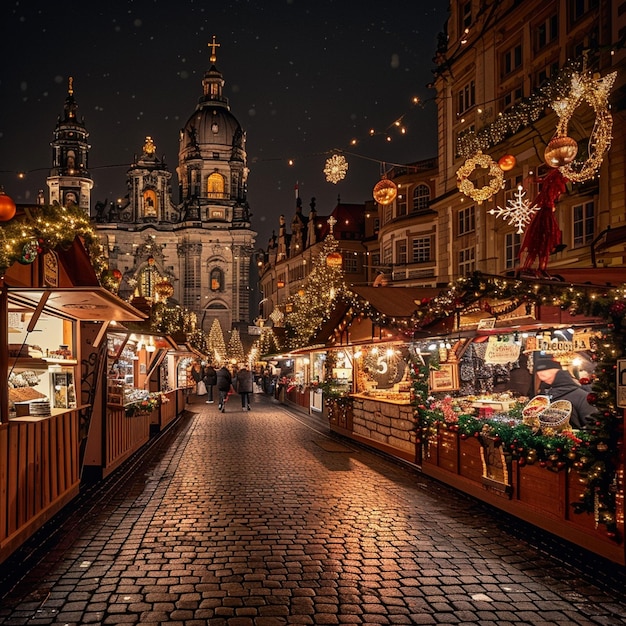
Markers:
<point>213,45</point>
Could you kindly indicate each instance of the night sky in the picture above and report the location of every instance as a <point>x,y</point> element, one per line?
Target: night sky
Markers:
<point>302,77</point>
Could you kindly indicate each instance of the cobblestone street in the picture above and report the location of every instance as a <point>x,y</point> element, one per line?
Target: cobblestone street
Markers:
<point>260,518</point>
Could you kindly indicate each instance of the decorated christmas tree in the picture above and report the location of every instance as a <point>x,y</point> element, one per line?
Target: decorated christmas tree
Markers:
<point>267,342</point>
<point>312,305</point>
<point>216,342</point>
<point>235,347</point>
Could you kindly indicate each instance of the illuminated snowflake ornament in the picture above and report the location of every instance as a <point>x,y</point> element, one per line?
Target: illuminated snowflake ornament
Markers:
<point>336,168</point>
<point>518,212</point>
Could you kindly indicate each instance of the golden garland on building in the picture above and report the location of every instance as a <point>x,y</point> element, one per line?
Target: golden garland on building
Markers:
<point>595,92</point>
<point>466,186</point>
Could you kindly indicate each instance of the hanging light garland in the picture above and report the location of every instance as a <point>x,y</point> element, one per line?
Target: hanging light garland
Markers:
<point>466,186</point>
<point>595,92</point>
<point>336,168</point>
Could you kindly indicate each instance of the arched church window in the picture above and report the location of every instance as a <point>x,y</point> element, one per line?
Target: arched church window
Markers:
<point>215,185</point>
<point>149,203</point>
<point>217,279</point>
<point>71,159</point>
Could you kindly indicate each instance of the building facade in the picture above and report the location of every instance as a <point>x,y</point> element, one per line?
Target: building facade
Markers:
<point>502,70</point>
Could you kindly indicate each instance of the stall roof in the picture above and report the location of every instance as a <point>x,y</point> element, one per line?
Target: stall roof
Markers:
<point>600,276</point>
<point>82,303</point>
<point>396,301</point>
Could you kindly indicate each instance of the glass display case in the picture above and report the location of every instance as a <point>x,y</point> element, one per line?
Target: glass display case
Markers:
<point>41,362</point>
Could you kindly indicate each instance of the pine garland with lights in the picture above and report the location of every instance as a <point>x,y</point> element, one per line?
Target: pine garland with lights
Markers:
<point>49,227</point>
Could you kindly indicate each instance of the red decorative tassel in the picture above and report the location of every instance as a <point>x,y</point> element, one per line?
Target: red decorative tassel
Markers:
<point>543,234</point>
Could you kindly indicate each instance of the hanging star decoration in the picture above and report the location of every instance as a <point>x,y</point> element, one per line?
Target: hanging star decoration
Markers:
<point>585,88</point>
<point>518,212</point>
<point>336,168</point>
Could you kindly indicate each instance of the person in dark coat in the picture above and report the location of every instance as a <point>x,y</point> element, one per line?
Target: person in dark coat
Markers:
<point>558,384</point>
<point>224,383</point>
<point>210,380</point>
<point>244,380</point>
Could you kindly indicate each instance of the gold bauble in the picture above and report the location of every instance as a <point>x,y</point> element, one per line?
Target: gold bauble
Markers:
<point>385,191</point>
<point>560,151</point>
<point>164,289</point>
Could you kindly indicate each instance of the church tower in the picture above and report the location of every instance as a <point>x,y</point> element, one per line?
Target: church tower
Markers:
<point>212,172</point>
<point>69,181</point>
<point>203,245</point>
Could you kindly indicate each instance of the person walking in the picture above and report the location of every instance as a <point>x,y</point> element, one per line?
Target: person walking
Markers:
<point>197,376</point>
<point>210,380</point>
<point>224,382</point>
<point>243,386</point>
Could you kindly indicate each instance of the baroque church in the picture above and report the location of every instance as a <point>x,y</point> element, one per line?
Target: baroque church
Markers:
<point>200,248</point>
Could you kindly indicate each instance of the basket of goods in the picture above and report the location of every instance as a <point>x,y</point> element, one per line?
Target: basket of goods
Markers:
<point>556,416</point>
<point>531,412</point>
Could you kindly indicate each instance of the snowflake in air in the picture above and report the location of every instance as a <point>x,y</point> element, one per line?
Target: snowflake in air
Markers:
<point>518,212</point>
<point>336,168</point>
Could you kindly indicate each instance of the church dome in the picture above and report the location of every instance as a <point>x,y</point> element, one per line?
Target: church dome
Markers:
<point>211,125</point>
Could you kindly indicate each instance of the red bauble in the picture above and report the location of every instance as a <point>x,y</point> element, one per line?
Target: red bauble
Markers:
<point>117,275</point>
<point>584,381</point>
<point>7,207</point>
<point>592,398</point>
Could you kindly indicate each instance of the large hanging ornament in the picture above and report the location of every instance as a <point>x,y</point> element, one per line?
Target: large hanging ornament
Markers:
<point>518,212</point>
<point>164,289</point>
<point>507,162</point>
<point>560,151</point>
<point>385,191</point>
<point>466,186</point>
<point>336,168</point>
<point>595,92</point>
<point>7,207</point>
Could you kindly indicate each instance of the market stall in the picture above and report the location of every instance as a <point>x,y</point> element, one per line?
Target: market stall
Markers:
<point>515,398</point>
<point>144,392</point>
<point>46,405</point>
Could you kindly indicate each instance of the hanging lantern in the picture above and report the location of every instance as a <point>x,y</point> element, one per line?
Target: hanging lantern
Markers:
<point>334,259</point>
<point>151,260</point>
<point>280,283</point>
<point>164,289</point>
<point>385,191</point>
<point>7,207</point>
<point>507,162</point>
<point>560,151</point>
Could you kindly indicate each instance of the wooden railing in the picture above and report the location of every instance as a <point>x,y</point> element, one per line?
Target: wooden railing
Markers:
<point>124,435</point>
<point>39,474</point>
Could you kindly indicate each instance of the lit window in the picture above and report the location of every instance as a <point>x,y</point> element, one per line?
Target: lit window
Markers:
<point>217,280</point>
<point>215,185</point>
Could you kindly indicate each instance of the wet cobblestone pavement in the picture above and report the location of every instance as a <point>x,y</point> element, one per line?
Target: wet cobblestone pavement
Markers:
<point>260,518</point>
